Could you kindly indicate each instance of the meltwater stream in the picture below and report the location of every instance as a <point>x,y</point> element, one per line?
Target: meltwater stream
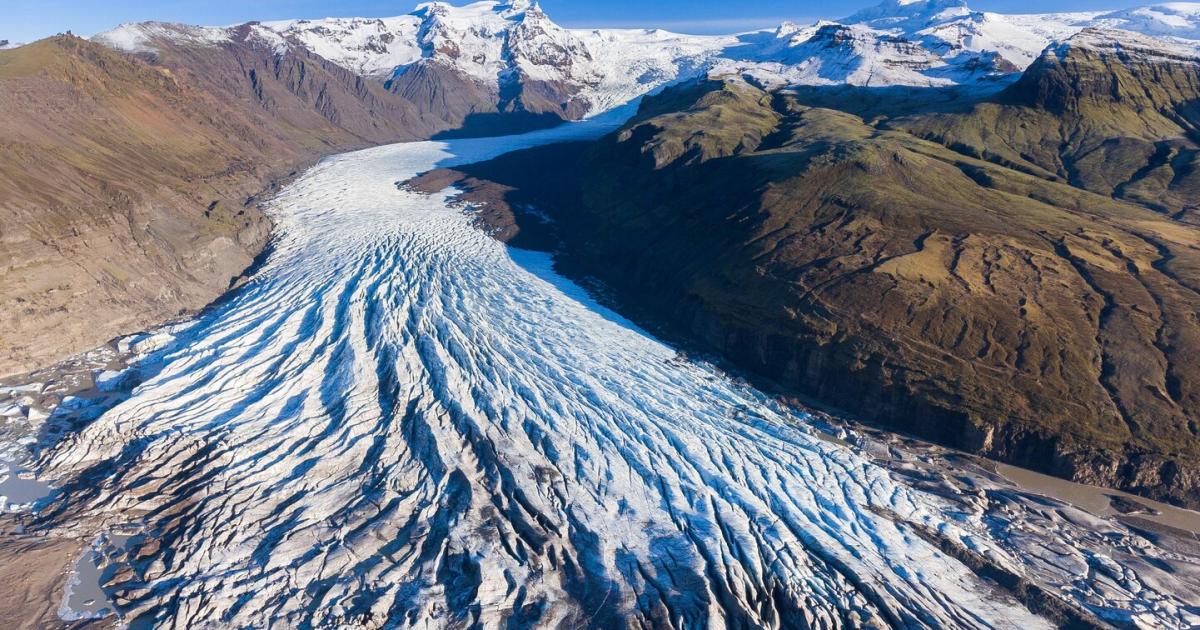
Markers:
<point>401,422</point>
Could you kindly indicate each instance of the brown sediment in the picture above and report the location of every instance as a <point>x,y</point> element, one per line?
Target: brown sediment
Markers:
<point>34,571</point>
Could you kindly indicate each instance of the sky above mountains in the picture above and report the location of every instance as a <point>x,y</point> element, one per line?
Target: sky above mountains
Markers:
<point>26,20</point>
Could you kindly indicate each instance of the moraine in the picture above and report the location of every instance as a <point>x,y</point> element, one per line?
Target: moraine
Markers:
<point>401,422</point>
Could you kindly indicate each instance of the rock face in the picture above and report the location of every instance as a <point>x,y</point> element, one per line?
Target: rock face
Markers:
<point>890,276</point>
<point>297,93</point>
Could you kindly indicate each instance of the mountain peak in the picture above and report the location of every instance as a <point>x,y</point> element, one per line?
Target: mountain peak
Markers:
<point>1127,45</point>
<point>1175,19</point>
<point>908,13</point>
<point>1114,71</point>
<point>522,5</point>
<point>138,37</point>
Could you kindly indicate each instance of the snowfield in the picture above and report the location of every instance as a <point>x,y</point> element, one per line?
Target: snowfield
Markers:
<point>401,422</point>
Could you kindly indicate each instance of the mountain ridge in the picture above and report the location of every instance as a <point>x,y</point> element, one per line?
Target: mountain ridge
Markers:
<point>930,42</point>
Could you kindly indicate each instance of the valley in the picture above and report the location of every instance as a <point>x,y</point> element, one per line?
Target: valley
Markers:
<point>462,318</point>
<point>424,423</point>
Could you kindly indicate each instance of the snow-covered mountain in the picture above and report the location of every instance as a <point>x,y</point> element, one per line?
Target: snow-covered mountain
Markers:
<point>932,43</point>
<point>370,47</point>
<point>832,53</point>
<point>513,47</point>
<point>499,42</point>
<point>1172,19</point>
<point>494,44</point>
<point>1129,45</point>
<point>951,26</point>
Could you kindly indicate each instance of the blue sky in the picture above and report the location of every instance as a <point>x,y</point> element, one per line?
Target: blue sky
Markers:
<point>25,20</point>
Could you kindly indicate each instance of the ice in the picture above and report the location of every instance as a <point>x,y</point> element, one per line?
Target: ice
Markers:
<point>19,490</point>
<point>83,598</point>
<point>109,380</point>
<point>25,388</point>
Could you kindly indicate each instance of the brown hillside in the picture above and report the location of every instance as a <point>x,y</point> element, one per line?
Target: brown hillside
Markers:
<point>124,183</point>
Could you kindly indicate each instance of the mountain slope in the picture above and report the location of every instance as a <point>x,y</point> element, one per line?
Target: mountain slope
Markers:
<point>122,197</point>
<point>125,184</point>
<point>511,58</point>
<point>301,93</point>
<point>128,166</point>
<point>973,304</point>
<point>498,59</point>
<point>1109,111</point>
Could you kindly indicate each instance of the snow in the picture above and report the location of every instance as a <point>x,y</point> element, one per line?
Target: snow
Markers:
<point>1172,19</point>
<point>910,14</point>
<point>632,62</point>
<point>396,403</point>
<point>1132,46</point>
<point>834,54</point>
<point>369,47</point>
<point>399,420</point>
<point>1018,38</point>
<point>266,37</point>
<point>140,37</point>
<point>473,37</point>
<point>489,41</point>
<point>108,380</point>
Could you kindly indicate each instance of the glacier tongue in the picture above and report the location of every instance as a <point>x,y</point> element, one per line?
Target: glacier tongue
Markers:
<point>401,422</point>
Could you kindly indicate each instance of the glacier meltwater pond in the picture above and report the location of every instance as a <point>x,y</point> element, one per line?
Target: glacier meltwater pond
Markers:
<point>401,422</point>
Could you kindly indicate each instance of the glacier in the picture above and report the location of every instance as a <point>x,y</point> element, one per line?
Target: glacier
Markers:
<point>399,421</point>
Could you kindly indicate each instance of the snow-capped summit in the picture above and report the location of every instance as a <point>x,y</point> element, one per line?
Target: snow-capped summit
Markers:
<point>140,37</point>
<point>371,47</point>
<point>1173,19</point>
<point>523,5</point>
<point>491,43</point>
<point>1129,45</point>
<point>470,37</point>
<point>909,14</point>
<point>832,53</point>
<point>486,40</point>
<point>495,44</point>
<point>951,28</point>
